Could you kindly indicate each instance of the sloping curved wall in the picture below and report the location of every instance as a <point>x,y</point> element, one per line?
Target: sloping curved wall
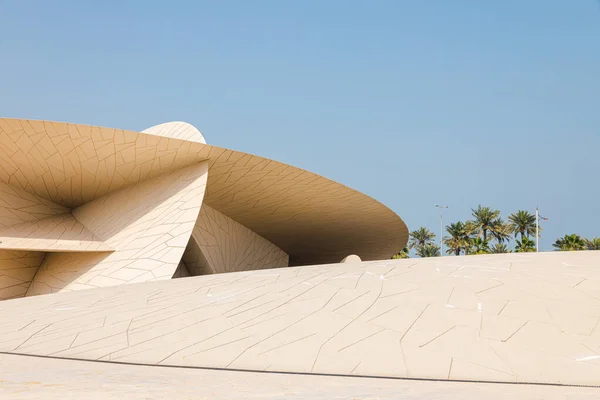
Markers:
<point>501,318</point>
<point>313,219</point>
<point>148,225</point>
<point>72,164</point>
<point>18,206</point>
<point>220,244</point>
<point>17,268</point>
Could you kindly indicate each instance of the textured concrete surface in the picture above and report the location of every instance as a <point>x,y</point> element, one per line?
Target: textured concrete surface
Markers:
<point>95,208</point>
<point>504,318</point>
<point>75,188</point>
<point>18,206</point>
<point>54,234</point>
<point>17,269</point>
<point>71,164</point>
<point>68,379</point>
<point>219,244</point>
<point>148,224</point>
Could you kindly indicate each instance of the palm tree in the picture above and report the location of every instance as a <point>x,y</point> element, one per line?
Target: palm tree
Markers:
<point>456,241</point>
<point>501,230</point>
<point>429,250</point>
<point>420,238</point>
<point>499,248</point>
<point>401,254</point>
<point>525,245</point>
<point>484,218</point>
<point>571,242</point>
<point>523,222</point>
<point>469,231</point>
<point>480,246</point>
<point>593,244</point>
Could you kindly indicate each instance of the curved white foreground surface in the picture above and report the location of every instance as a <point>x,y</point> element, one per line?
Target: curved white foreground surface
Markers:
<point>75,380</point>
<point>505,318</point>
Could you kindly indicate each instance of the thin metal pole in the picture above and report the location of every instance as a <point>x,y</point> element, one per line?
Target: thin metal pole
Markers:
<point>441,228</point>
<point>537,228</point>
<point>441,232</point>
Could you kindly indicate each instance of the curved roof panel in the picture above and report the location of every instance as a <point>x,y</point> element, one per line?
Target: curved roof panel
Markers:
<point>72,164</point>
<point>312,218</point>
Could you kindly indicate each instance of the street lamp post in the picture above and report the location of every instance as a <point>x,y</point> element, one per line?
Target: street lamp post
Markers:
<point>537,228</point>
<point>441,207</point>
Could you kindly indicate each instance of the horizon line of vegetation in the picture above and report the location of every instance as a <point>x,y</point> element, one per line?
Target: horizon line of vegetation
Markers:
<point>488,233</point>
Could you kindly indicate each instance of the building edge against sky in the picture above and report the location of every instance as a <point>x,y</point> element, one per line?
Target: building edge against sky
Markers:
<point>85,207</point>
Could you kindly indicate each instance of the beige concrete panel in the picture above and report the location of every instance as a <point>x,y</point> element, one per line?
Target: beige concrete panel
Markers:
<point>194,260</point>
<point>177,130</point>
<point>351,259</point>
<point>228,246</point>
<point>313,219</point>
<point>181,271</point>
<point>300,212</point>
<point>34,378</point>
<point>17,206</point>
<point>148,225</point>
<point>504,318</point>
<point>73,164</point>
<point>17,269</point>
<point>57,234</point>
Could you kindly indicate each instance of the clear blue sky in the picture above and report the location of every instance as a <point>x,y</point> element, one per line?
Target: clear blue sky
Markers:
<point>413,102</point>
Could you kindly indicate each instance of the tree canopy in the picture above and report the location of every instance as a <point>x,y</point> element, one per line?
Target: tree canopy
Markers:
<point>488,233</point>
